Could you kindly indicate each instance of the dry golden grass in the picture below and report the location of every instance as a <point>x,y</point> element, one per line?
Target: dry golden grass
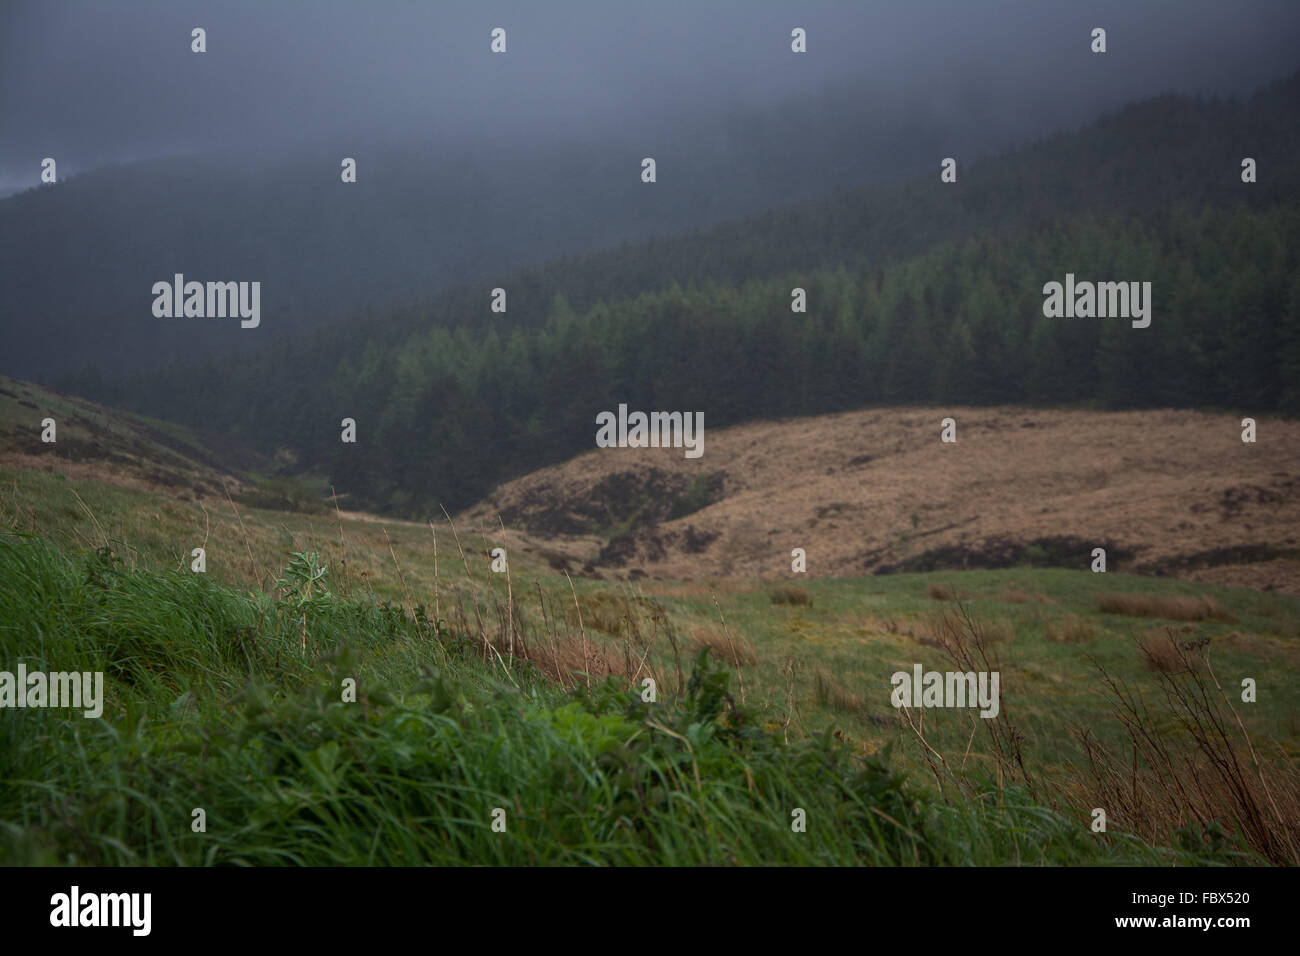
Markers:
<point>604,612</point>
<point>999,631</point>
<point>731,648</point>
<point>1169,607</point>
<point>1165,483</point>
<point>1183,771</point>
<point>1070,629</point>
<point>953,628</point>
<point>568,656</point>
<point>1162,651</point>
<point>1190,771</point>
<point>829,693</point>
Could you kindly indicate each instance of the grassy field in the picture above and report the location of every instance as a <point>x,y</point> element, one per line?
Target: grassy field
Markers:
<point>520,691</point>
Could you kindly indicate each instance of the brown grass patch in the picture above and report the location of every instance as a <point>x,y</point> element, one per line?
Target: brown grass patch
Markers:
<point>788,471</point>
<point>1070,629</point>
<point>617,615</point>
<point>967,644</point>
<point>1162,651</point>
<point>1169,607</point>
<point>732,648</point>
<point>947,629</point>
<point>790,595</point>
<point>604,612</point>
<point>999,631</point>
<point>943,592</point>
<point>1205,785</point>
<point>829,693</point>
<point>562,659</point>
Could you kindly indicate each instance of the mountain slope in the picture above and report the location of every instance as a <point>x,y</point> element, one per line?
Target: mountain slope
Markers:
<point>1166,492</point>
<point>420,219</point>
<point>451,400</point>
<point>417,223</point>
<point>91,442</point>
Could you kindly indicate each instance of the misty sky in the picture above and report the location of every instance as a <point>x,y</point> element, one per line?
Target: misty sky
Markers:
<point>93,83</point>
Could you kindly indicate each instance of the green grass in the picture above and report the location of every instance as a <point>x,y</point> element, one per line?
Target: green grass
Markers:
<point>857,633</point>
<point>213,704</point>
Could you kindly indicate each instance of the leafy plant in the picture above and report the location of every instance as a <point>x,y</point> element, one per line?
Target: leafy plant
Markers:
<point>303,590</point>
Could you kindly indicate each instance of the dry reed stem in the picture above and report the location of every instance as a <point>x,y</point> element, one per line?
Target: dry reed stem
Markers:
<point>555,651</point>
<point>252,565</point>
<point>574,592</point>
<point>482,629</point>
<point>343,548</point>
<point>400,576</point>
<point>1259,769</point>
<point>437,607</point>
<point>740,674</point>
<point>510,601</point>
<point>86,508</point>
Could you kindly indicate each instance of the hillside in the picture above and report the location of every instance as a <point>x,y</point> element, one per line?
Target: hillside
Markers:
<point>1166,492</point>
<point>94,443</point>
<point>968,347</point>
<point>922,292</point>
<point>528,671</point>
<point>420,220</point>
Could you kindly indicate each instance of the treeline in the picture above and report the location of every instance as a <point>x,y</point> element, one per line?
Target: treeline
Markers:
<point>449,413</point>
<point>454,413</point>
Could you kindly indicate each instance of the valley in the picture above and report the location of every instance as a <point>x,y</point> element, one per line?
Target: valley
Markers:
<point>611,598</point>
